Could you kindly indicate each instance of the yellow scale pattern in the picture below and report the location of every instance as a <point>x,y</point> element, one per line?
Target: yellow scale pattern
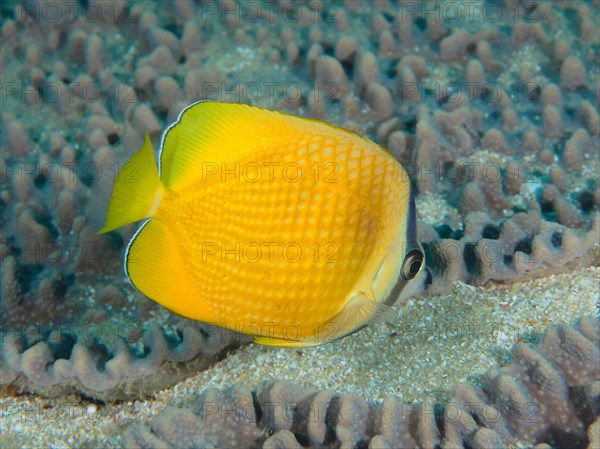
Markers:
<point>351,221</point>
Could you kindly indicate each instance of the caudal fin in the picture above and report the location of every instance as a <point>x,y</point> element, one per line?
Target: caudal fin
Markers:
<point>136,191</point>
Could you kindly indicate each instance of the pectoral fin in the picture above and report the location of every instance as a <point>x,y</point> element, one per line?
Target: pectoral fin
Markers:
<point>360,311</point>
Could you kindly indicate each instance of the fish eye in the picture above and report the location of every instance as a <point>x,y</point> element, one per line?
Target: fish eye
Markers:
<point>412,264</point>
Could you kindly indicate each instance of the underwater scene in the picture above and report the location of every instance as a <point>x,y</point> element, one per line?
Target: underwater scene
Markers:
<point>283,224</point>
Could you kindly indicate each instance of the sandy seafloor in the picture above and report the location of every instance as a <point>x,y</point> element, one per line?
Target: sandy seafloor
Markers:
<point>436,342</point>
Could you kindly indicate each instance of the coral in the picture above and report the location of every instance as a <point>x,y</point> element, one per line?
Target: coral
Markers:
<point>499,118</point>
<point>182,428</point>
<point>547,394</point>
<point>504,249</point>
<point>109,361</point>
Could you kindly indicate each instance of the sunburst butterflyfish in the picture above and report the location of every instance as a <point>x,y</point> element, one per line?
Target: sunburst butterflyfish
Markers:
<point>291,230</point>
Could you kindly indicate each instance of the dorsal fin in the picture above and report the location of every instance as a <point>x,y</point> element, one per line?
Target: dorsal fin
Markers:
<point>212,133</point>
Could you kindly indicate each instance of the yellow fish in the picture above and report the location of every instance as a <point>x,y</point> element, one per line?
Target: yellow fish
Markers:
<point>287,229</point>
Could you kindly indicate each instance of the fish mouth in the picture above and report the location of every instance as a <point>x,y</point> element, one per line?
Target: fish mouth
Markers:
<point>428,279</point>
<point>422,282</point>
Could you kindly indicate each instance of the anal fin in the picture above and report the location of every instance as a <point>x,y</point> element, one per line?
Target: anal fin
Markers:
<point>156,267</point>
<point>282,343</point>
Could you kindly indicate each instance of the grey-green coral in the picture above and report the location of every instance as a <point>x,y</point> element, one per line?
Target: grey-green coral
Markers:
<point>493,107</point>
<point>547,395</point>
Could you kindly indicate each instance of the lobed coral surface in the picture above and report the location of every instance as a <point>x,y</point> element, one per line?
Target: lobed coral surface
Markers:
<point>493,108</point>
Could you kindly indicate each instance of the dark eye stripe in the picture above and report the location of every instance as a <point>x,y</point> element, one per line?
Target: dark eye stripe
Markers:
<point>411,239</point>
<point>395,293</point>
<point>411,219</point>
